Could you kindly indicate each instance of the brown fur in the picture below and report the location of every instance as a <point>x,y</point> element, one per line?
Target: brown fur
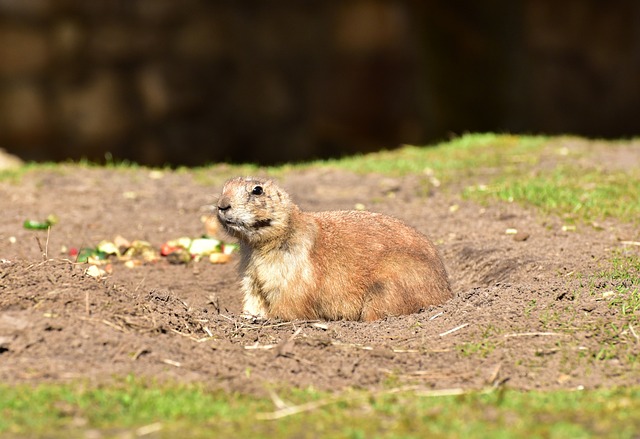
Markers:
<point>327,265</point>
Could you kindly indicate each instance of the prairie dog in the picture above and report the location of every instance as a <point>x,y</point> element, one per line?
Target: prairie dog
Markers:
<point>336,265</point>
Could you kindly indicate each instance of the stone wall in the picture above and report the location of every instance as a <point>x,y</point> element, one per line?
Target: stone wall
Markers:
<point>197,81</point>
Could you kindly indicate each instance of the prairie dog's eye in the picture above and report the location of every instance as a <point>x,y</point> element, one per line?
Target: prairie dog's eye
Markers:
<point>257,190</point>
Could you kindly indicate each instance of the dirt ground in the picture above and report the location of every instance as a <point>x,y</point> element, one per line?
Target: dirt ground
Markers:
<point>520,318</point>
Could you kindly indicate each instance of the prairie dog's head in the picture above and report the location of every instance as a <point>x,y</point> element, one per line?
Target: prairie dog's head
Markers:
<point>253,209</point>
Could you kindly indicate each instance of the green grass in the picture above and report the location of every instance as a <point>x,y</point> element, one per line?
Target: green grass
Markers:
<point>15,175</point>
<point>462,156</point>
<point>624,276</point>
<point>56,410</point>
<point>508,168</point>
<point>574,193</point>
<point>619,285</point>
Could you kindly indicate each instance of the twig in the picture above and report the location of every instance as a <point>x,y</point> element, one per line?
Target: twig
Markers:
<point>300,322</point>
<point>457,328</point>
<point>139,353</point>
<point>146,430</point>
<point>352,345</point>
<point>180,333</point>
<point>41,249</point>
<point>139,284</point>
<point>264,325</point>
<point>441,392</point>
<point>533,334</point>
<point>172,363</point>
<point>424,374</point>
<point>258,346</point>
<point>493,379</point>
<point>277,401</point>
<point>189,336</point>
<point>227,317</point>
<point>113,325</point>
<point>104,321</point>
<point>630,243</point>
<point>436,315</point>
<point>46,244</point>
<point>86,302</point>
<point>633,332</point>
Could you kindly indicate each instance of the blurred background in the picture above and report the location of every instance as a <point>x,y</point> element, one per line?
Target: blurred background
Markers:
<point>192,82</point>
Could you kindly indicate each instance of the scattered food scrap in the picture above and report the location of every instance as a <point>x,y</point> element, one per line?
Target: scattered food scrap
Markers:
<point>136,253</point>
<point>40,225</point>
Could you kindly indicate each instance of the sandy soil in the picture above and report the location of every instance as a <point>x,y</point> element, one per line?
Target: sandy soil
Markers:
<point>521,316</point>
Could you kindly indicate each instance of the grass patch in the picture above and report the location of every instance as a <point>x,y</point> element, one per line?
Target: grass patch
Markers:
<point>619,286</point>
<point>15,175</point>
<point>576,194</point>
<point>462,156</point>
<point>58,410</point>
<point>624,277</point>
<point>482,348</point>
<point>508,163</point>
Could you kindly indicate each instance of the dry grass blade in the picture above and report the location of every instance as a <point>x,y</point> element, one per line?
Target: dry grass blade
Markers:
<point>172,363</point>
<point>191,337</point>
<point>441,392</point>
<point>46,244</point>
<point>534,334</point>
<point>288,410</point>
<point>139,353</point>
<point>260,347</point>
<point>451,331</point>
<point>106,322</point>
<point>149,429</point>
<point>352,345</point>
<point>426,374</point>
<point>495,374</point>
<point>633,332</point>
<point>277,401</point>
<point>294,410</point>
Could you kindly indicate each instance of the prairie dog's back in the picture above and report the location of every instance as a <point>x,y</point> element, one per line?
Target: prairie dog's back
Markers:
<point>382,254</point>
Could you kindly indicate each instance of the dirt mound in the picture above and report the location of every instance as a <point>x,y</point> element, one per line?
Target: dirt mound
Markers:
<point>522,315</point>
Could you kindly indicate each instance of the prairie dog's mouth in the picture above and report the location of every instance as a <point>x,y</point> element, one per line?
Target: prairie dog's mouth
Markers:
<point>224,219</point>
<point>231,223</point>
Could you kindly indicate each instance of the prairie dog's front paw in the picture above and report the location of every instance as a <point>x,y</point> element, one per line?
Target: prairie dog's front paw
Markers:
<point>253,308</point>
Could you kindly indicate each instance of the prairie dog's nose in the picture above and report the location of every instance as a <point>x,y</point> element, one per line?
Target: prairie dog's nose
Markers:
<point>224,203</point>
